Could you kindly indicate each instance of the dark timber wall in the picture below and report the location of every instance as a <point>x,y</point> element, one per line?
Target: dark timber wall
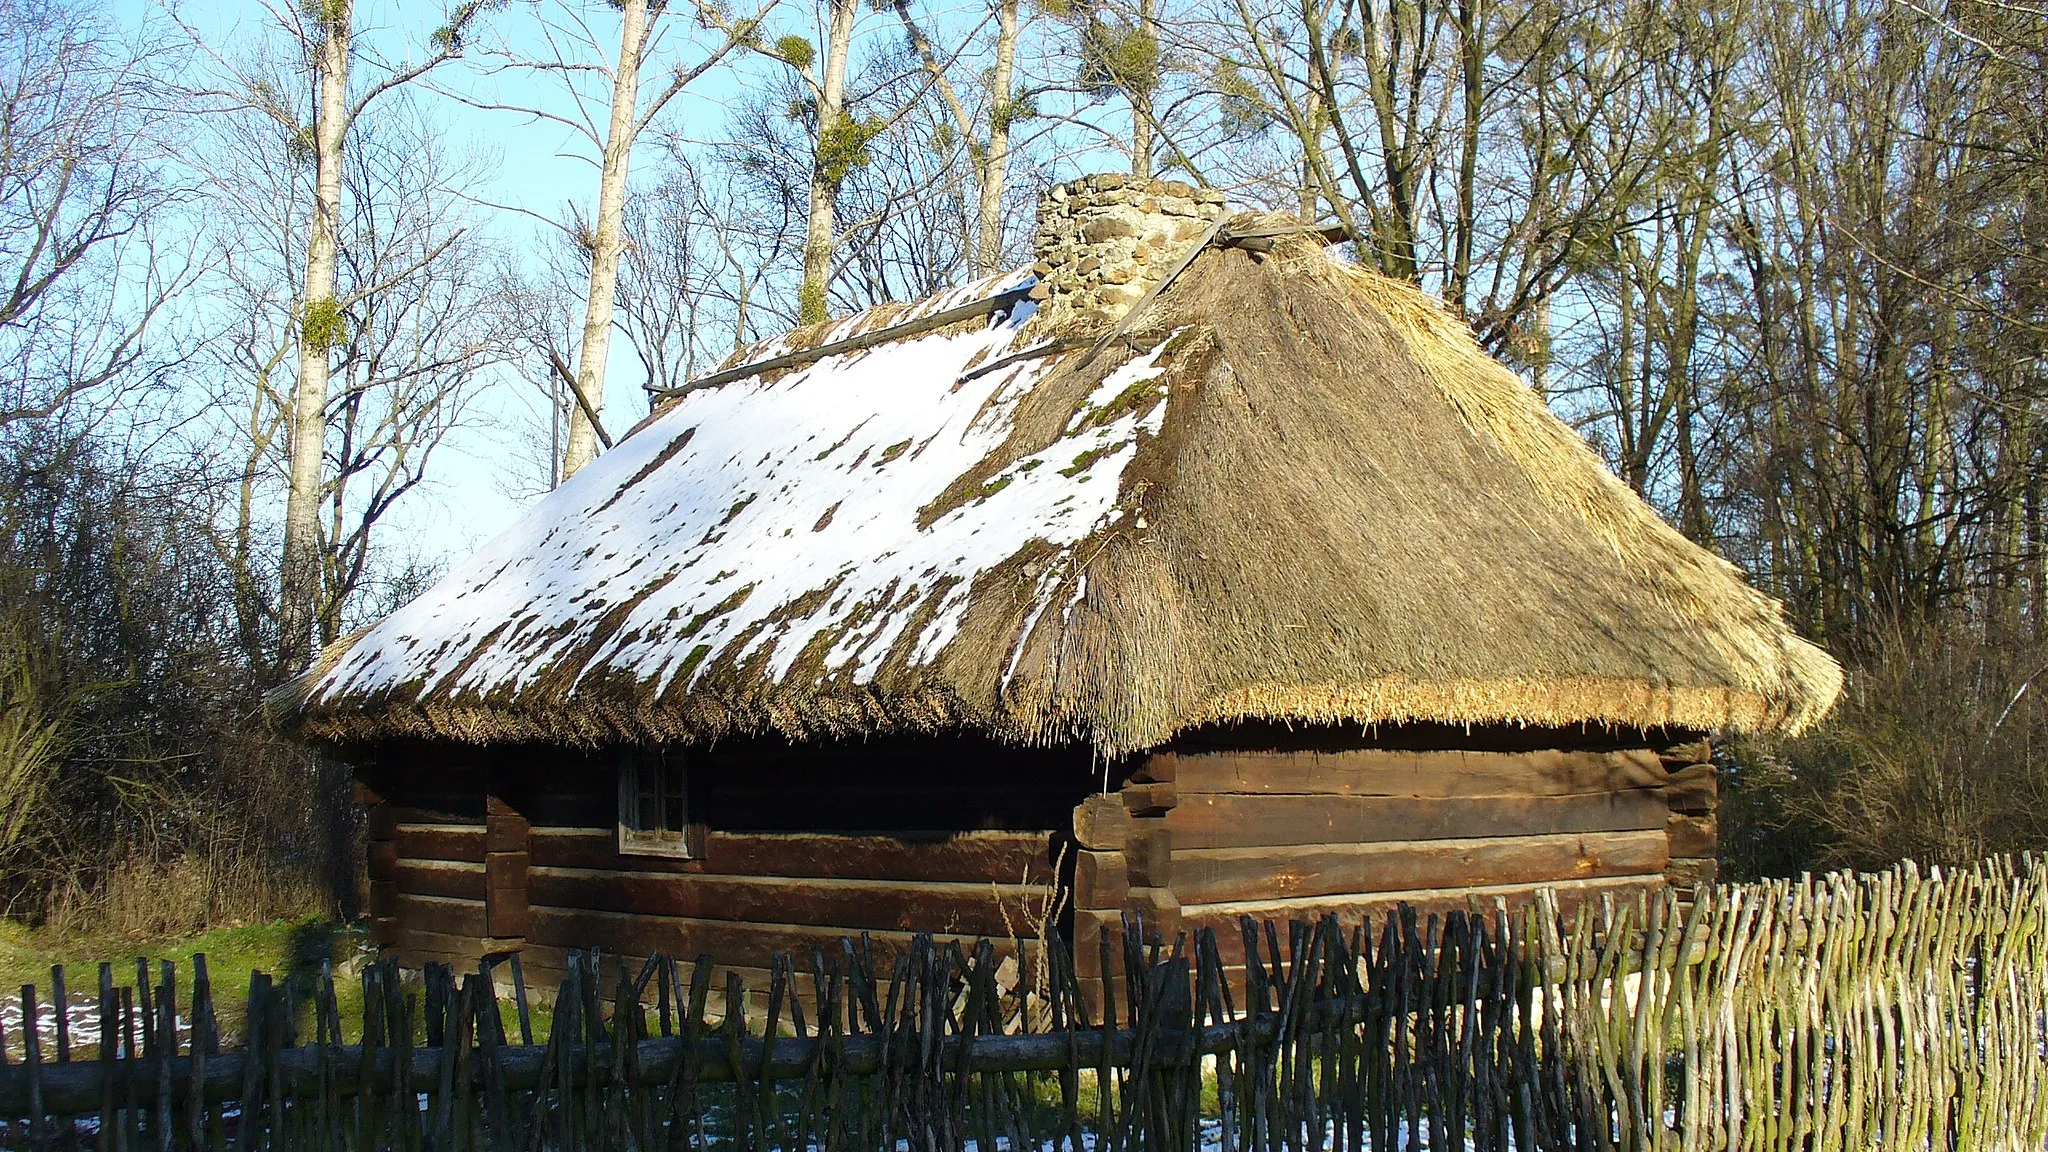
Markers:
<point>478,850</point>
<point>1286,826</point>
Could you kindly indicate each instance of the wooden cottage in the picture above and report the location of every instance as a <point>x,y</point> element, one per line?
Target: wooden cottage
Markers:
<point>1191,571</point>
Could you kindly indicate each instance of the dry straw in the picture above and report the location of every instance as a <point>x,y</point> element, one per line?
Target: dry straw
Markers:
<point>1350,513</point>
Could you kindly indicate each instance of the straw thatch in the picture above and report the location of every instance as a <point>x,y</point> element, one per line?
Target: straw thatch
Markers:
<point>1306,495</point>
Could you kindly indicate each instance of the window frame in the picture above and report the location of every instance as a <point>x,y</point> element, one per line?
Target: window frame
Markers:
<point>674,789</point>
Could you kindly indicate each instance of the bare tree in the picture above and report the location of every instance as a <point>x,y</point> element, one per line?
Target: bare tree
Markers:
<point>820,97</point>
<point>1477,149</point>
<point>839,143</point>
<point>420,314</point>
<point>1649,272</point>
<point>902,206</point>
<point>575,57</point>
<point>989,149</point>
<point>426,318</point>
<point>323,33</point>
<point>85,192</point>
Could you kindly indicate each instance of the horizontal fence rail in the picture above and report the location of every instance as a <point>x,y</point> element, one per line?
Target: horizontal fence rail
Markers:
<point>80,1087</point>
<point>1890,1010</point>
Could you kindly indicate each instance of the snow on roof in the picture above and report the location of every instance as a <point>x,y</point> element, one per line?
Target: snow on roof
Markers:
<point>1345,512</point>
<point>750,521</point>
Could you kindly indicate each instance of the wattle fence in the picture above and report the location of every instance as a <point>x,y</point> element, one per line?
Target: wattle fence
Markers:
<point>1895,1010</point>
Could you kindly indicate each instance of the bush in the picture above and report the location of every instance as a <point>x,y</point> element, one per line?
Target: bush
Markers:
<point>1935,754</point>
<point>159,801</point>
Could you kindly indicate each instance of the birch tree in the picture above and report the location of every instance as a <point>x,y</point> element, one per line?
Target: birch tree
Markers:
<point>420,314</point>
<point>323,32</point>
<point>838,135</point>
<point>577,56</point>
<point>840,143</point>
<point>988,149</point>
<point>1122,57</point>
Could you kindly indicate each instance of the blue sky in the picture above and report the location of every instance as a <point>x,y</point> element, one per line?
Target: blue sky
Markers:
<point>485,475</point>
<point>540,167</point>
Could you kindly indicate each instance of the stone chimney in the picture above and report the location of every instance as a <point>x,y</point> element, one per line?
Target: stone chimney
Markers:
<point>1104,240</point>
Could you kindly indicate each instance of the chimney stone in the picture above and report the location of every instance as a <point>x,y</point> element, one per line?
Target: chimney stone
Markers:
<point>1104,240</point>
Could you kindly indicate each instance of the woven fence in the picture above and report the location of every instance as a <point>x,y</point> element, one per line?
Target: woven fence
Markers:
<point>1896,1010</point>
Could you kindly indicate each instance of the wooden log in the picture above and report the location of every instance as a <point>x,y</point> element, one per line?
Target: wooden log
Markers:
<point>506,895</point>
<point>962,908</point>
<point>1149,799</point>
<point>1158,909</point>
<point>507,836</point>
<point>1001,857</point>
<point>419,945</point>
<point>976,857</point>
<point>739,943</point>
<point>1100,879</point>
<point>980,801</point>
<point>1091,928</point>
<point>504,830</point>
<point>1217,820</point>
<point>1219,875</point>
<point>1692,874</point>
<point>1149,854</point>
<point>464,842</point>
<point>1693,836</point>
<point>1101,823</point>
<point>1223,918</point>
<point>440,878</point>
<point>455,917</point>
<point>1693,790</point>
<point>506,870</point>
<point>1393,772</point>
<point>1157,768</point>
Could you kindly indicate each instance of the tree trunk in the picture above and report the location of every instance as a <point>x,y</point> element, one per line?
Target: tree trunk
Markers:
<point>1680,386</point>
<point>1471,65</point>
<point>828,166</point>
<point>606,244</point>
<point>995,165</point>
<point>1141,111</point>
<point>319,331</point>
<point>1395,235</point>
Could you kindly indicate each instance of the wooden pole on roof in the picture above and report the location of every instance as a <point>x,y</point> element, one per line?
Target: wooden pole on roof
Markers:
<point>940,319</point>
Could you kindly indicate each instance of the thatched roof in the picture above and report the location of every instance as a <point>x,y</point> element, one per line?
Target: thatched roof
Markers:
<point>1302,494</point>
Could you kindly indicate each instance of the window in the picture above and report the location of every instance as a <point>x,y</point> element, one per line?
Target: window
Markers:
<point>654,804</point>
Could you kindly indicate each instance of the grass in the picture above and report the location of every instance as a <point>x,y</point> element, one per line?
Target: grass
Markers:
<point>281,948</point>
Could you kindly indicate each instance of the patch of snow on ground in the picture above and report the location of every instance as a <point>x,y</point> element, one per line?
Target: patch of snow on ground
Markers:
<point>82,1024</point>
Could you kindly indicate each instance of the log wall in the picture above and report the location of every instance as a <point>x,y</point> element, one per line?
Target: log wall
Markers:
<point>1313,823</point>
<point>1694,826</point>
<point>517,849</point>
<point>474,851</point>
